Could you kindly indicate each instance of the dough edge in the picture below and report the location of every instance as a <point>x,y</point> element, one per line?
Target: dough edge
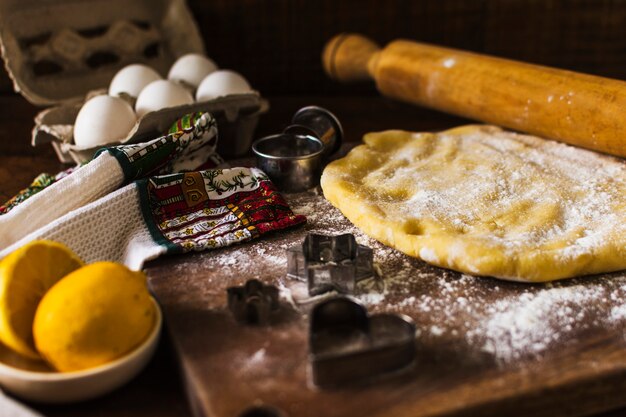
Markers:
<point>435,249</point>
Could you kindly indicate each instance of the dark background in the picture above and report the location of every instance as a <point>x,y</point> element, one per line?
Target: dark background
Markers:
<point>277,44</point>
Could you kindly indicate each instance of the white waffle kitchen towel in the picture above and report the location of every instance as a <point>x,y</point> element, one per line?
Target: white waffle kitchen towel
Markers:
<point>92,210</point>
<point>115,207</point>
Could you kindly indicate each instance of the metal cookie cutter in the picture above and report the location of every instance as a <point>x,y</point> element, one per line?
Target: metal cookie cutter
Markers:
<point>294,159</point>
<point>347,345</point>
<point>321,123</point>
<point>330,263</point>
<point>253,303</point>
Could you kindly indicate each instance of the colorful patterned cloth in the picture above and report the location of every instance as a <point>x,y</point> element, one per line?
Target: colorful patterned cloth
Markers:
<point>210,209</point>
<point>189,144</point>
<point>135,202</point>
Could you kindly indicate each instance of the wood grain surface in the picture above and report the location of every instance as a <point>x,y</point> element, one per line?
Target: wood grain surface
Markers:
<point>230,368</point>
<point>158,391</point>
<point>277,45</point>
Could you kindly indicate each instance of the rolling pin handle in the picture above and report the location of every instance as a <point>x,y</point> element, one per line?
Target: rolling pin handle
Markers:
<point>350,57</point>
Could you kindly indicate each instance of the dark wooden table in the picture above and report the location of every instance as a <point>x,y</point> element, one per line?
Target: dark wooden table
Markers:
<point>158,390</point>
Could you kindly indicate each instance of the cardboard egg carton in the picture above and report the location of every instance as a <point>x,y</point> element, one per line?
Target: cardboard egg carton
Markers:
<point>236,116</point>
<point>59,52</point>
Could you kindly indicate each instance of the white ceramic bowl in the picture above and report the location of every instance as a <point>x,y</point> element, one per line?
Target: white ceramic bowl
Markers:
<point>34,381</point>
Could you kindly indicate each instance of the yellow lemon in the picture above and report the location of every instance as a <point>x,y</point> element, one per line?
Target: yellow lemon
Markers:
<point>94,315</point>
<point>25,276</point>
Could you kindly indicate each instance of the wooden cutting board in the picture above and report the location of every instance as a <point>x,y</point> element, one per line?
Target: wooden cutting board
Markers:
<point>484,347</point>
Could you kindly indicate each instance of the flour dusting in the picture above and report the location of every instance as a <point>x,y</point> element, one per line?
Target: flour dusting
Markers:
<point>517,206</point>
<point>506,320</point>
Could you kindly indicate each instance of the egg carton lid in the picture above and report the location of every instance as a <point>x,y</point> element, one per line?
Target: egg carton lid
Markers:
<point>55,51</point>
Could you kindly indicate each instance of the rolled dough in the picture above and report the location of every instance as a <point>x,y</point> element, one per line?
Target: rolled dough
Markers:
<point>485,201</point>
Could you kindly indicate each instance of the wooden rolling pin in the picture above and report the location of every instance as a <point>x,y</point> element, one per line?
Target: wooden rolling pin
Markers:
<point>579,109</point>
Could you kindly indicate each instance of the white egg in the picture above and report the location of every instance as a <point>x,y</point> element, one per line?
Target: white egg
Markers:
<point>191,69</point>
<point>161,94</point>
<point>132,79</point>
<point>222,83</point>
<point>103,120</point>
